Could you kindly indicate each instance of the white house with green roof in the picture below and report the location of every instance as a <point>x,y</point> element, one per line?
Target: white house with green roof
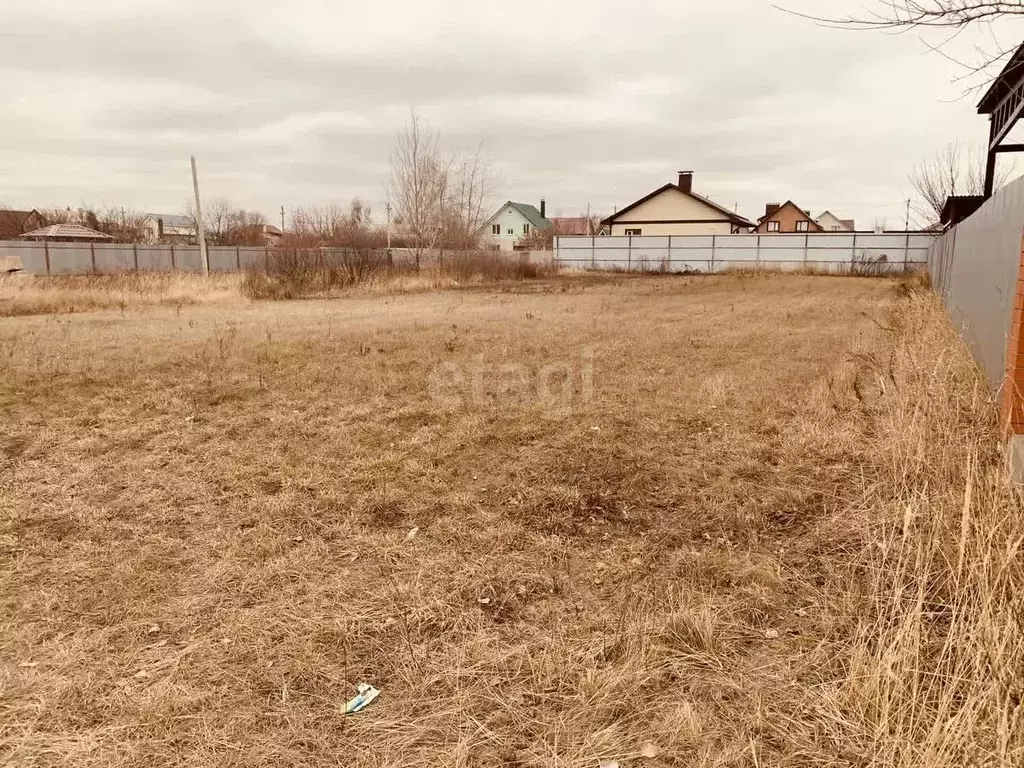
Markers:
<point>512,222</point>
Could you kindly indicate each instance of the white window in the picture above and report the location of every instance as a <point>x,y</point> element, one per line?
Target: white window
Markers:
<point>773,226</point>
<point>495,229</point>
<point>636,232</point>
<point>801,226</point>
<point>511,231</point>
<point>526,229</point>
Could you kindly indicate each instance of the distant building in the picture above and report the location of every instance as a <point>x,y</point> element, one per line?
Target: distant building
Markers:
<point>829,222</point>
<point>675,209</point>
<point>786,217</point>
<point>511,223</point>
<point>67,233</point>
<point>170,228</point>
<point>271,234</point>
<point>17,223</point>
<point>958,208</point>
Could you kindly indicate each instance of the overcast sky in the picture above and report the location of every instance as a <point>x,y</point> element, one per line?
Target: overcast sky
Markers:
<point>578,101</point>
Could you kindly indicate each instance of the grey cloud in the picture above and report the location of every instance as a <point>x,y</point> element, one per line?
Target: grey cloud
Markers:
<point>589,108</point>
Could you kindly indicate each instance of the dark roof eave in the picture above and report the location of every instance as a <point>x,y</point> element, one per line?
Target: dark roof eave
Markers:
<point>995,93</point>
<point>732,218</point>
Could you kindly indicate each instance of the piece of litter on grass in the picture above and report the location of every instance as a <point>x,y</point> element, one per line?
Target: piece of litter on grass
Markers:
<point>484,600</point>
<point>153,629</point>
<point>367,693</point>
<point>297,539</point>
<point>608,764</point>
<point>771,634</point>
<point>801,612</point>
<point>28,664</point>
<point>649,751</point>
<point>595,429</point>
<point>412,533</point>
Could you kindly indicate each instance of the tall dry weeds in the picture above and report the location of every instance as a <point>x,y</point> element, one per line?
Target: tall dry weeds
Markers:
<point>34,295</point>
<point>935,668</point>
<point>299,273</point>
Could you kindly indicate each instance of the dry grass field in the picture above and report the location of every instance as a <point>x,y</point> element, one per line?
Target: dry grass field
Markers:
<point>721,521</point>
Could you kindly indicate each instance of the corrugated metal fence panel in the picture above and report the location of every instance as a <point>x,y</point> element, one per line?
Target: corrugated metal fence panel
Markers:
<point>831,251</point>
<point>114,257</point>
<point>155,257</point>
<point>223,258</point>
<point>70,258</point>
<point>251,257</point>
<point>974,268</point>
<point>32,255</point>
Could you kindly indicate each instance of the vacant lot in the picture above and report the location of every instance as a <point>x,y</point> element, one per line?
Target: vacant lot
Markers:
<point>666,522</point>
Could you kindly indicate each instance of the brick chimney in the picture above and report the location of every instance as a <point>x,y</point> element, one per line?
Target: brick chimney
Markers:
<point>686,181</point>
<point>771,209</point>
<point>543,208</point>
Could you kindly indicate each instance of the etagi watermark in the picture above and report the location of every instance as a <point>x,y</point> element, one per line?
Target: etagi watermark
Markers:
<point>554,388</point>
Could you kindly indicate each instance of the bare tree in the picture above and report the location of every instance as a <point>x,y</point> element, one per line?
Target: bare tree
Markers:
<point>418,184</point>
<point>950,15</point>
<point>471,183</point>
<point>950,171</point>
<point>334,225</point>
<point>438,198</point>
<point>226,224</point>
<point>125,225</point>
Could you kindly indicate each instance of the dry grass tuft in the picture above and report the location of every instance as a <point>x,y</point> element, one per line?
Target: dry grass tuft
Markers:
<point>294,274</point>
<point>32,295</point>
<point>777,533</point>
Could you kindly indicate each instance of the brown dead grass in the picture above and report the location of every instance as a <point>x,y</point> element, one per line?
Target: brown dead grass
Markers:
<point>776,534</point>
<point>295,274</point>
<point>35,295</point>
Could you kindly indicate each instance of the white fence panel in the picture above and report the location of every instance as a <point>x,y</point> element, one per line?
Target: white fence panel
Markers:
<point>833,252</point>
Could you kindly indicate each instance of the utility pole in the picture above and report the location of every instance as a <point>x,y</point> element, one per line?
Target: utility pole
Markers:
<point>282,219</point>
<point>387,207</point>
<point>199,220</point>
<point>906,227</point>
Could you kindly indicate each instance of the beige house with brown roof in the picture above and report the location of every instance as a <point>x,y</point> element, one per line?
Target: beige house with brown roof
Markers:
<point>675,209</point>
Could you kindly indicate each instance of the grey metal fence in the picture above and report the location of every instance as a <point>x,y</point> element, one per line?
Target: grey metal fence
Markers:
<point>974,267</point>
<point>50,258</point>
<point>43,258</point>
<point>832,252</point>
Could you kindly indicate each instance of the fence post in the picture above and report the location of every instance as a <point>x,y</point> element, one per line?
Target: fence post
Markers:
<point>670,253</point>
<point>46,254</point>
<point>172,258</point>
<point>711,270</point>
<point>947,284</point>
<point>238,258</point>
<point>92,256</point>
<point>853,254</point>
<point>1012,403</point>
<point>757,254</point>
<point>593,252</point>
<point>135,255</point>
<point>906,250</point>
<point>806,239</point>
<point>266,257</point>
<point>629,254</point>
